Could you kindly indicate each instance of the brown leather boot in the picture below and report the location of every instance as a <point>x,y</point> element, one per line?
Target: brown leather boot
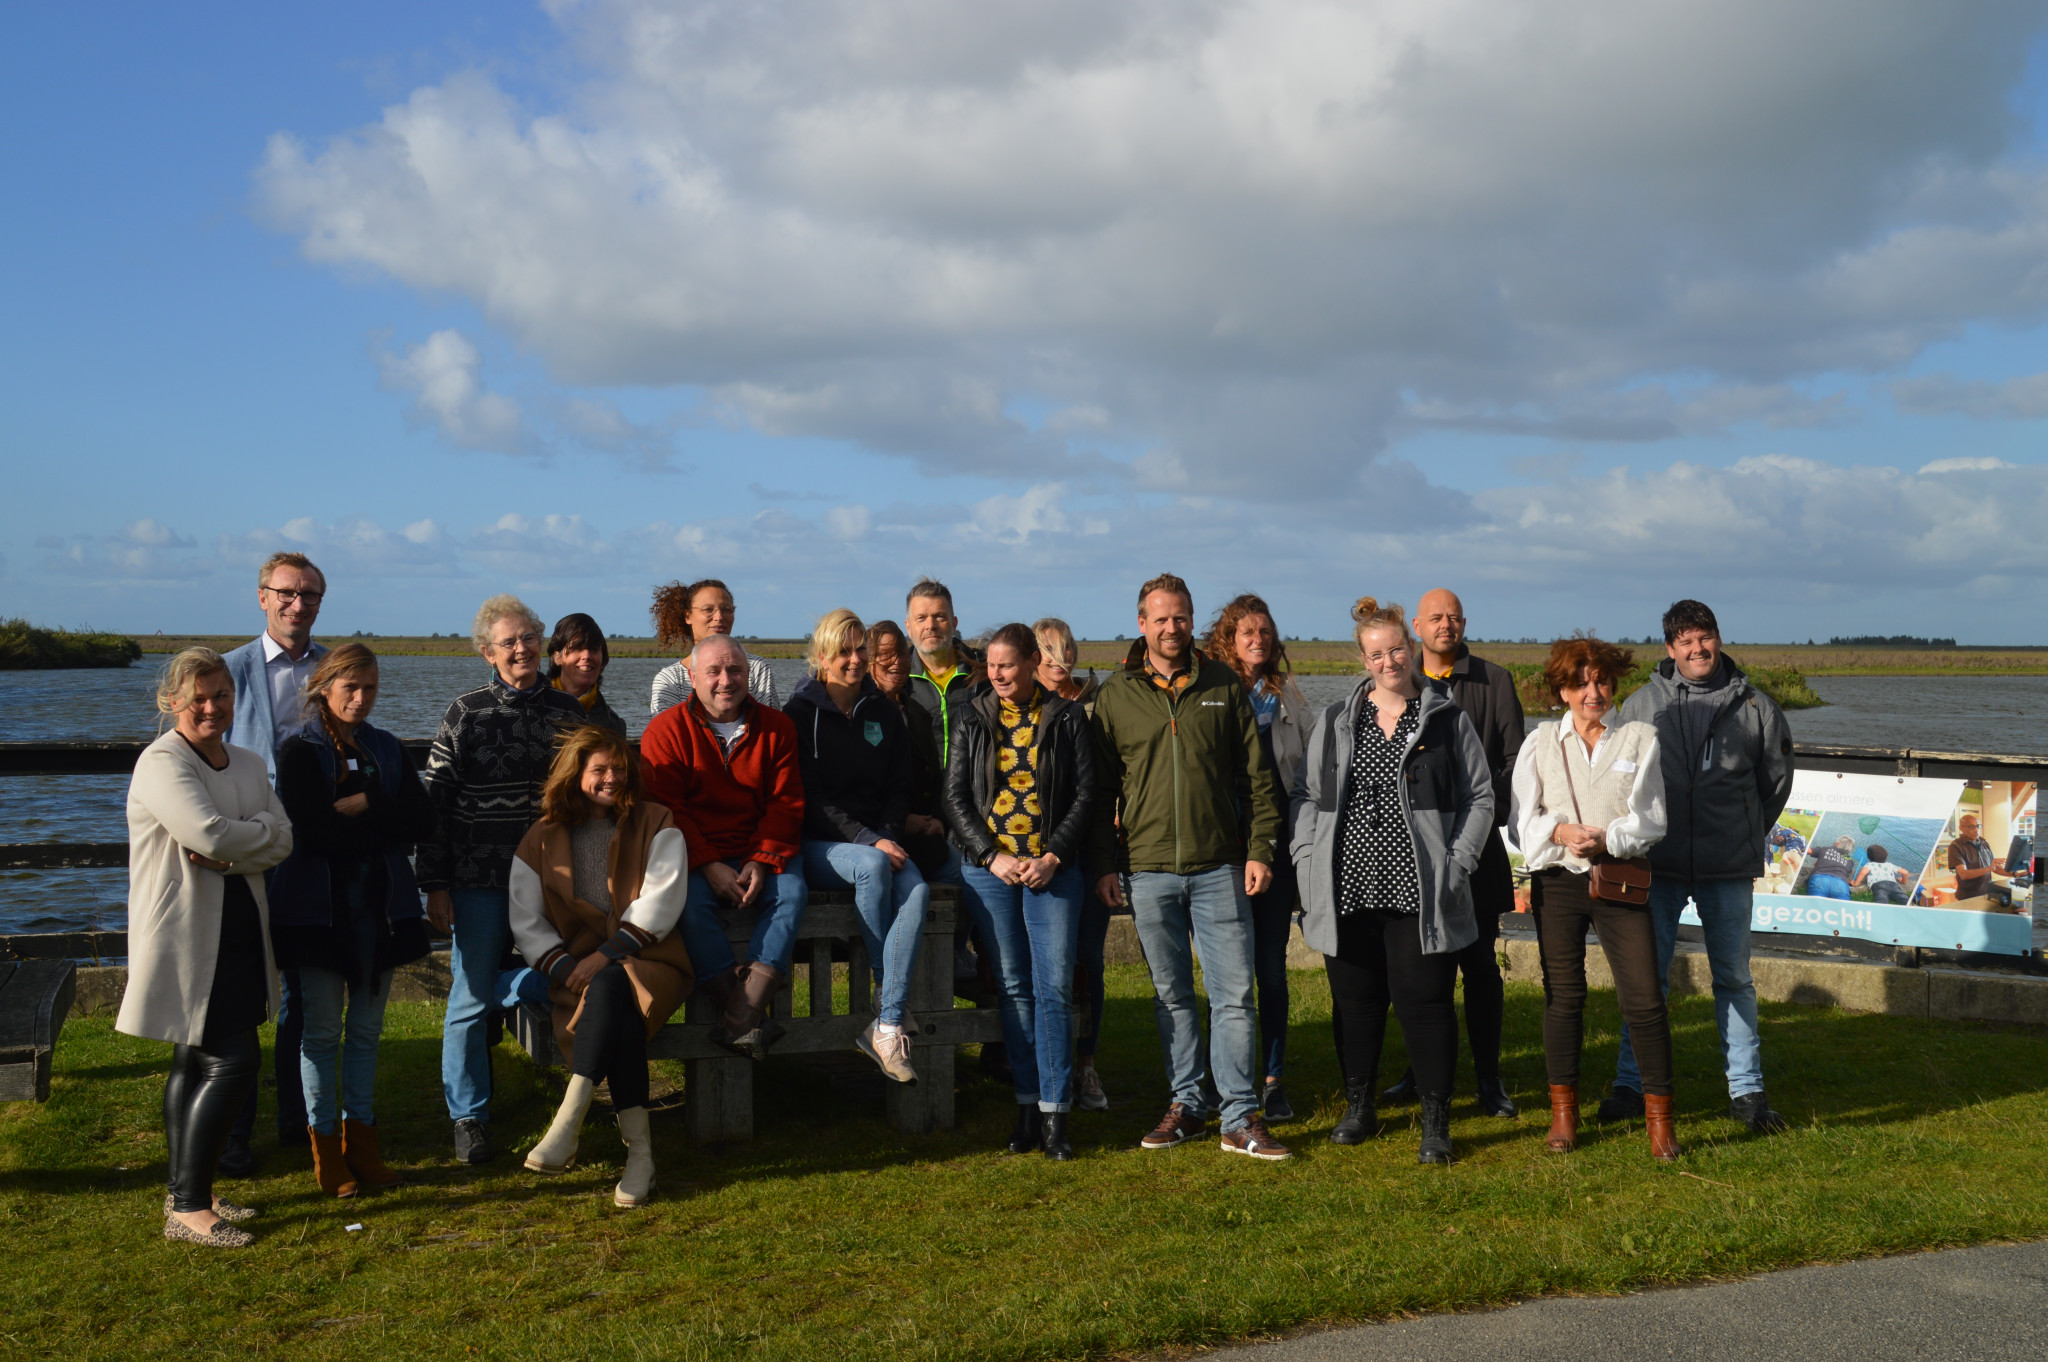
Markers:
<point>1564,1117</point>
<point>723,992</point>
<point>757,992</point>
<point>359,1151</point>
<point>1663,1139</point>
<point>330,1167</point>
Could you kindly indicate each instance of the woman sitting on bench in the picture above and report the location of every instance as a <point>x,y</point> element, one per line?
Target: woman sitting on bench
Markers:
<point>597,888</point>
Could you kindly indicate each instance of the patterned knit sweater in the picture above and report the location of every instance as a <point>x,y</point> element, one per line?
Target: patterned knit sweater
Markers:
<point>484,775</point>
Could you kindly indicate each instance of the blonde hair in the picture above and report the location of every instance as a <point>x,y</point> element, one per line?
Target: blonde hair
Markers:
<point>504,605</point>
<point>828,640</point>
<point>1056,640</point>
<point>1370,614</point>
<point>181,675</point>
<point>290,560</point>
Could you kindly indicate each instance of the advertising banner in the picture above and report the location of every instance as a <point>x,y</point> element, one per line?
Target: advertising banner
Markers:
<point>1946,864</point>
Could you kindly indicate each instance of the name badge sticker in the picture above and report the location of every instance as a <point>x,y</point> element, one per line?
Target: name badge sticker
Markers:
<point>352,763</point>
<point>1624,765</point>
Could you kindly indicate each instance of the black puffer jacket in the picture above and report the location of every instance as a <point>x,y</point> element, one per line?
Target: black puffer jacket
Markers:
<point>1067,776</point>
<point>859,773</point>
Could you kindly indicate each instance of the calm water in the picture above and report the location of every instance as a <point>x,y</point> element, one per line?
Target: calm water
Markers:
<point>1978,714</point>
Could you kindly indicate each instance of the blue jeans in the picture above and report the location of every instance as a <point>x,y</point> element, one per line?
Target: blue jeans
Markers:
<point>782,903</point>
<point>1210,912</point>
<point>891,904</point>
<point>1828,887</point>
<point>483,932</point>
<point>1724,907</point>
<point>329,1003</point>
<point>1094,936</point>
<point>284,1059</point>
<point>1272,923</point>
<point>1033,933</point>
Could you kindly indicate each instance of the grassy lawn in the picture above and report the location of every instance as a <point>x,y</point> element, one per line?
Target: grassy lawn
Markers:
<point>830,1237</point>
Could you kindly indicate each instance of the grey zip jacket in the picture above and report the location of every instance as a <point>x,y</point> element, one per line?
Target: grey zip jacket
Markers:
<point>1725,788</point>
<point>1446,793</point>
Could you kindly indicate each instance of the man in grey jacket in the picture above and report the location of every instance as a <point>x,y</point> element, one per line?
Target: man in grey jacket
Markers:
<point>1727,757</point>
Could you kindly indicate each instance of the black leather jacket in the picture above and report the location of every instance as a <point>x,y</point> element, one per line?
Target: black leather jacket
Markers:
<point>1066,776</point>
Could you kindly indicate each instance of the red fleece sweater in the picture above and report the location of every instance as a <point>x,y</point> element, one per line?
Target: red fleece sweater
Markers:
<point>747,803</point>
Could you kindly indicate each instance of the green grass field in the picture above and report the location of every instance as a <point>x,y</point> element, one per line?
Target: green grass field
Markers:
<point>830,1237</point>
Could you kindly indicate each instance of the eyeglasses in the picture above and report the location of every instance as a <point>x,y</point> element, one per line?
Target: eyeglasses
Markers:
<point>288,596</point>
<point>1397,652</point>
<point>517,641</point>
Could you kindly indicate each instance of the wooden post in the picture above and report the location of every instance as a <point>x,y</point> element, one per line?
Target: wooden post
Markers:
<point>718,1094</point>
<point>927,1105</point>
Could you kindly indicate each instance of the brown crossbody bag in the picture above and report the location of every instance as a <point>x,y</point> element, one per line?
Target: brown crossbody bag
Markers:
<point>1611,880</point>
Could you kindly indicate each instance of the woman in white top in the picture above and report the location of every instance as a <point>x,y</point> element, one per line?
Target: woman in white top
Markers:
<point>1585,791</point>
<point>682,616</point>
<point>203,826</point>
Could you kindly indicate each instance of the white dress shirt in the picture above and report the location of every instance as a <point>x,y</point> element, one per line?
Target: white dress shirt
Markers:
<point>287,678</point>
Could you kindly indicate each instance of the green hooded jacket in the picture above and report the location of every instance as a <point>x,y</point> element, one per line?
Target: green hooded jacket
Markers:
<point>1183,775</point>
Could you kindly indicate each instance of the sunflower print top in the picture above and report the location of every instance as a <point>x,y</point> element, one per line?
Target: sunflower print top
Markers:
<point>1017,820</point>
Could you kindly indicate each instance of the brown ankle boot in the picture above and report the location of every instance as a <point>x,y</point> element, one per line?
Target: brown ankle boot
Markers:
<point>1663,1139</point>
<point>1564,1117</point>
<point>330,1168</point>
<point>757,992</point>
<point>359,1151</point>
<point>722,991</point>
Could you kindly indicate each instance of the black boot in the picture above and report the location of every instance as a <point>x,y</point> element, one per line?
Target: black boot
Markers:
<point>1053,1130</point>
<point>1028,1133</point>
<point>1622,1104</point>
<point>1494,1099</point>
<point>1436,1129</point>
<point>1403,1091</point>
<point>1361,1121</point>
<point>235,1159</point>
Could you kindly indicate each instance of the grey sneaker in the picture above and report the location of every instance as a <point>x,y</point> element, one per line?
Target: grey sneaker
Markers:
<point>889,1049</point>
<point>473,1142</point>
<point>1277,1107</point>
<point>1088,1093</point>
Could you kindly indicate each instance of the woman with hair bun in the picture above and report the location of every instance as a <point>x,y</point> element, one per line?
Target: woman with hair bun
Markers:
<point>1587,790</point>
<point>684,614</point>
<point>1020,790</point>
<point>1391,809</point>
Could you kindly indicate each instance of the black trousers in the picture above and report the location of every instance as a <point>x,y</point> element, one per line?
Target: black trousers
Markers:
<point>1564,910</point>
<point>611,1038</point>
<point>202,1098</point>
<point>1379,961</point>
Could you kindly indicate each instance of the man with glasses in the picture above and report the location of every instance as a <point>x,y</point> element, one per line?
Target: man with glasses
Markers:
<point>485,771</point>
<point>269,672</point>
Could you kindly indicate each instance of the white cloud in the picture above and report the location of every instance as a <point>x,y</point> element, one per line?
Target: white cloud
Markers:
<point>1252,236</point>
<point>442,374</point>
<point>1963,466</point>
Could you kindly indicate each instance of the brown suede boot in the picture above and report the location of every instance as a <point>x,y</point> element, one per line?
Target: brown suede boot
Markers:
<point>757,993</point>
<point>722,990</point>
<point>359,1151</point>
<point>330,1168</point>
<point>1663,1139</point>
<point>1564,1118</point>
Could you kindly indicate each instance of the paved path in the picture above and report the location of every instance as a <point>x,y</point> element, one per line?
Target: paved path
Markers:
<point>1982,1304</point>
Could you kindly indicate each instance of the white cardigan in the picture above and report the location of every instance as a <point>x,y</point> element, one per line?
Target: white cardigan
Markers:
<point>177,803</point>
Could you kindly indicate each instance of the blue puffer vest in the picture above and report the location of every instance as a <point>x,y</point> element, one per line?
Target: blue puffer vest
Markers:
<point>301,890</point>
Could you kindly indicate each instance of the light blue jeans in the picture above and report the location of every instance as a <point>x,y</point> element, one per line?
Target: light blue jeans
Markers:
<point>1724,908</point>
<point>782,902</point>
<point>483,933</point>
<point>891,904</point>
<point>1211,912</point>
<point>331,1008</point>
<point>1034,934</point>
<point>1828,887</point>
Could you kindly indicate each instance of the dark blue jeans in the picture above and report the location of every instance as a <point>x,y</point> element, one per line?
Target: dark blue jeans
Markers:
<point>1088,969</point>
<point>1272,923</point>
<point>291,1096</point>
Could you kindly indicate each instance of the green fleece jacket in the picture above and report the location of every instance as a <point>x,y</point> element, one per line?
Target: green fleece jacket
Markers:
<point>1183,775</point>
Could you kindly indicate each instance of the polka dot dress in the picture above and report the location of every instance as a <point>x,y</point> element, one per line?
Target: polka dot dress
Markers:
<point>1376,850</point>
<point>1016,819</point>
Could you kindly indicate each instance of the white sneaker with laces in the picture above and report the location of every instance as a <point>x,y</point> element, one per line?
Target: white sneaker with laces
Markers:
<point>890,1049</point>
<point>1088,1093</point>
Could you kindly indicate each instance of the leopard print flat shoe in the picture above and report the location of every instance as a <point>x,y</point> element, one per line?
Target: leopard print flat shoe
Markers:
<point>222,1235</point>
<point>226,1210</point>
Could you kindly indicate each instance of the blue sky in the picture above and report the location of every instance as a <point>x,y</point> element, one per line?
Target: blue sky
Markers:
<point>1575,310</point>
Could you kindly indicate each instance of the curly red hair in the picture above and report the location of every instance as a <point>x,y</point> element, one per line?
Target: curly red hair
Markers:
<point>1583,655</point>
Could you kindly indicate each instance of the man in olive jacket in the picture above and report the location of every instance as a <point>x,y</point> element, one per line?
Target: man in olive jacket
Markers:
<point>1727,756</point>
<point>1198,806</point>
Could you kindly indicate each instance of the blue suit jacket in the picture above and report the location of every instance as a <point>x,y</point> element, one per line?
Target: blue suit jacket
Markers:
<point>254,726</point>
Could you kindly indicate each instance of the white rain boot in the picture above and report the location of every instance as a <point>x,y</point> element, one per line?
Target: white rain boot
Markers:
<point>636,1186</point>
<point>556,1152</point>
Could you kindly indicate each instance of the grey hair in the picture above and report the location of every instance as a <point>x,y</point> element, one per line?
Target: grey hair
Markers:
<point>181,675</point>
<point>698,645</point>
<point>505,605</point>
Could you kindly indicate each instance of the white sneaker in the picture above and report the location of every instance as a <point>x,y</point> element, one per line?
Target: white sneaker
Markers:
<point>1088,1093</point>
<point>889,1049</point>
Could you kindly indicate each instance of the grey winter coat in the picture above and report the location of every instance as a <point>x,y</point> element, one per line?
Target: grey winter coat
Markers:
<point>1448,799</point>
<point>1722,799</point>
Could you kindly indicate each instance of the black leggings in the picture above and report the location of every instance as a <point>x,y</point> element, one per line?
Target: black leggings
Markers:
<point>1379,960</point>
<point>202,1098</point>
<point>611,1038</point>
<point>1563,912</point>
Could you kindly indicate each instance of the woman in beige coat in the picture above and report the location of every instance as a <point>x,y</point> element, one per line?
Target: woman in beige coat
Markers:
<point>203,826</point>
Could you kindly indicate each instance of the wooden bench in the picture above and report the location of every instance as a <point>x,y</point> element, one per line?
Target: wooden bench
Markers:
<point>35,997</point>
<point>718,1086</point>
